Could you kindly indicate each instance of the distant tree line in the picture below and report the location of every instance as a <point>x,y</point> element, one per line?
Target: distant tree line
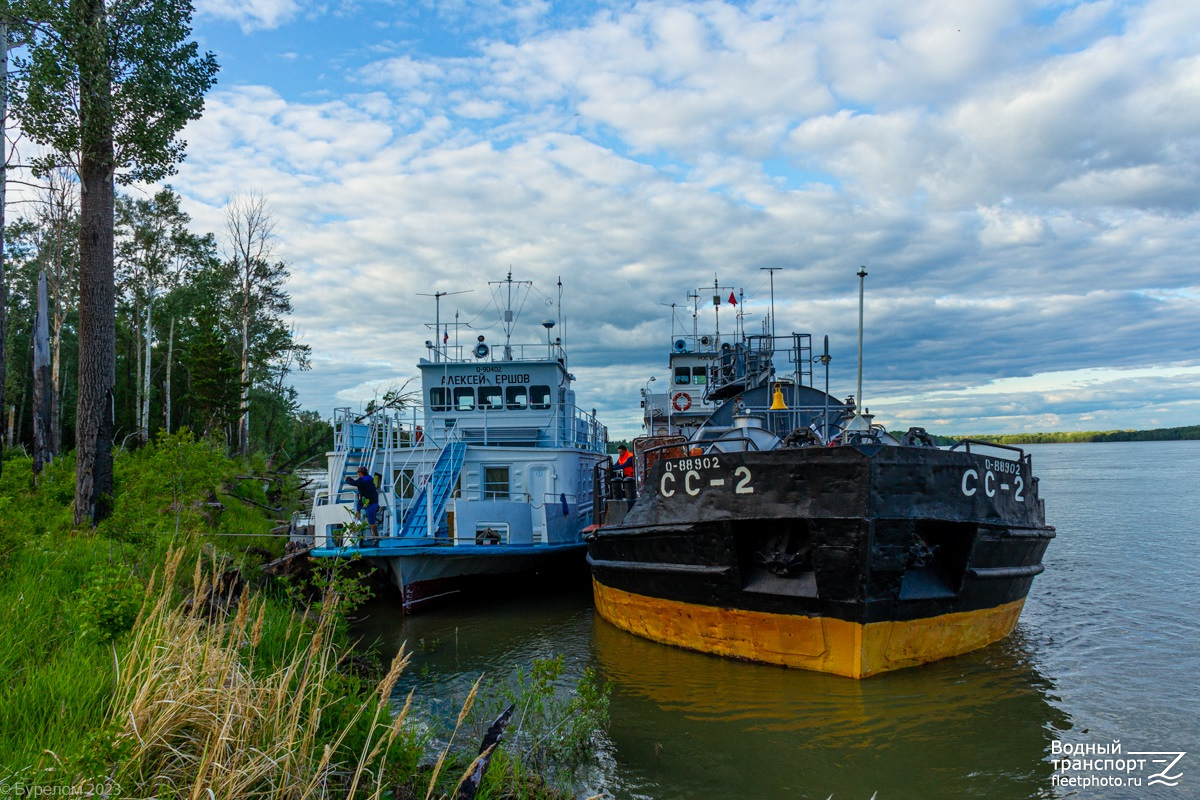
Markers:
<point>203,338</point>
<point>1155,435</point>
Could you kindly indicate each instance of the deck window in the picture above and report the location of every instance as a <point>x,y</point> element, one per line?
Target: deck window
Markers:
<point>439,399</point>
<point>402,479</point>
<point>683,376</point>
<point>491,397</point>
<point>464,398</point>
<point>539,397</point>
<point>518,399</point>
<point>699,375</point>
<point>495,483</point>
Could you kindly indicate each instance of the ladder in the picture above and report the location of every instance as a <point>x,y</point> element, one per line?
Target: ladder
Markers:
<point>436,492</point>
<point>354,455</point>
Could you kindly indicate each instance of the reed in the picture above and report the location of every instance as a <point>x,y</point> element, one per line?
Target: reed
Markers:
<point>195,715</point>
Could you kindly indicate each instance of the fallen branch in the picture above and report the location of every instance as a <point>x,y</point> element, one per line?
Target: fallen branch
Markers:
<point>252,502</point>
<point>274,566</point>
<point>468,788</point>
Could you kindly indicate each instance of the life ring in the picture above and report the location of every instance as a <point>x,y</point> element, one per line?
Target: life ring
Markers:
<point>682,401</point>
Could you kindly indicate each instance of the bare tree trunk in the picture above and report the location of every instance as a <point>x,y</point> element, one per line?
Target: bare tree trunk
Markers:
<point>3,197</point>
<point>12,421</point>
<point>167,382</point>
<point>137,373</point>
<point>144,431</point>
<point>244,421</point>
<point>97,291</point>
<point>56,402</point>
<point>43,386</point>
<point>249,229</point>
<point>60,199</point>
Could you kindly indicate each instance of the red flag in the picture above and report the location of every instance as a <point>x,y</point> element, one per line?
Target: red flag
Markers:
<point>732,299</point>
<point>446,338</point>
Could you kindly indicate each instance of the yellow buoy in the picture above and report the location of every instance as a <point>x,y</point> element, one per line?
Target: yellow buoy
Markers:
<point>777,403</point>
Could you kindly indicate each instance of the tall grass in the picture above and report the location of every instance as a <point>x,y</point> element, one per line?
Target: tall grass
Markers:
<point>180,699</point>
<point>193,716</point>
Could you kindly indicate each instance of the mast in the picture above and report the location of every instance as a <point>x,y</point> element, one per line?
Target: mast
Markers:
<point>717,306</point>
<point>695,298</point>
<point>507,317</point>
<point>771,271</point>
<point>438,347</point>
<point>862,273</point>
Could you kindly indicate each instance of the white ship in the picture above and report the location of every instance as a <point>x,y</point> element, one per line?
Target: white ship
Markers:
<point>488,477</point>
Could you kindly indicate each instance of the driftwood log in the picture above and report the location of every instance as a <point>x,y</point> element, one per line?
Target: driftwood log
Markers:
<point>491,740</point>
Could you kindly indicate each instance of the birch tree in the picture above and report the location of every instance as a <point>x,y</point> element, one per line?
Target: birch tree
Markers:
<point>152,243</point>
<point>250,243</point>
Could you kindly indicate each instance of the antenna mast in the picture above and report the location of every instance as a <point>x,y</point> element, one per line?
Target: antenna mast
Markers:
<point>438,347</point>
<point>862,273</point>
<point>771,271</point>
<point>507,317</point>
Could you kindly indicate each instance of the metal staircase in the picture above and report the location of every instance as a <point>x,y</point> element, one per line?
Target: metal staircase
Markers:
<point>436,492</point>
<point>359,451</point>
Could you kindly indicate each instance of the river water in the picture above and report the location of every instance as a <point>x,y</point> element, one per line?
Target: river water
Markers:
<point>1106,649</point>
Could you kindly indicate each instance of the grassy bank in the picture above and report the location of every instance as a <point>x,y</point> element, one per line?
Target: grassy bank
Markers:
<point>147,658</point>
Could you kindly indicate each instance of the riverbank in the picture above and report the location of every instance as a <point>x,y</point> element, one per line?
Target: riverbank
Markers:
<point>151,655</point>
<point>1187,433</point>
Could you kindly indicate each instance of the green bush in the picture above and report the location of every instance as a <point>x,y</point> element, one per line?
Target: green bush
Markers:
<point>108,602</point>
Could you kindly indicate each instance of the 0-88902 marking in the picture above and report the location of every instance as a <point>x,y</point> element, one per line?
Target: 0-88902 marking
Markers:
<point>691,482</point>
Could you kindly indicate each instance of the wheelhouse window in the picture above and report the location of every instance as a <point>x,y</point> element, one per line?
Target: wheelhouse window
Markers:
<point>464,398</point>
<point>495,483</point>
<point>439,399</point>
<point>518,399</point>
<point>699,375</point>
<point>683,376</point>
<point>491,397</point>
<point>539,397</point>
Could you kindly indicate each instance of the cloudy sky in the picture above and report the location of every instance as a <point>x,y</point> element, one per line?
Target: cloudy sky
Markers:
<point>1020,178</point>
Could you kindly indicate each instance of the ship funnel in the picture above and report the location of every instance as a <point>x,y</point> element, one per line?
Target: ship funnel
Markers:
<point>777,403</point>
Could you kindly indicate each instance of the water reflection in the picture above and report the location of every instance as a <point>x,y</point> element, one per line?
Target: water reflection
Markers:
<point>689,725</point>
<point>1106,649</point>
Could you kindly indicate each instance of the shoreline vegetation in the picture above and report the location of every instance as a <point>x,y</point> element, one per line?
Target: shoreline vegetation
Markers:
<point>152,656</point>
<point>1071,437</point>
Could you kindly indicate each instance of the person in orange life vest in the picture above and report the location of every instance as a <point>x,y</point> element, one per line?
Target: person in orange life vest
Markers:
<point>625,483</point>
<point>625,461</point>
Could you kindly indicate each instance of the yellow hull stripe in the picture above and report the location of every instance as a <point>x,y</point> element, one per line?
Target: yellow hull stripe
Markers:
<point>823,644</point>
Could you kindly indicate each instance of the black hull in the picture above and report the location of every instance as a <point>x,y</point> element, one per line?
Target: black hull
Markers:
<point>865,535</point>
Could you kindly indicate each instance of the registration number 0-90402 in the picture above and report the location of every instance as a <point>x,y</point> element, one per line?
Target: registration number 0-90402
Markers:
<point>683,475</point>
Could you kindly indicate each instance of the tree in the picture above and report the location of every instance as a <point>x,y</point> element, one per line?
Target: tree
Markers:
<point>154,249</point>
<point>259,298</point>
<point>106,87</point>
<point>3,200</point>
<point>55,236</point>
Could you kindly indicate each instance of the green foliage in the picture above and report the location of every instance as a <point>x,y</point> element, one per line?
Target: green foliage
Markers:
<point>162,488</point>
<point>158,80</point>
<point>53,679</point>
<point>554,726</point>
<point>1068,437</point>
<point>109,601</point>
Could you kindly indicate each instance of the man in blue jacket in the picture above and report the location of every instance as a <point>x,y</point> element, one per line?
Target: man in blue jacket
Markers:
<point>368,498</point>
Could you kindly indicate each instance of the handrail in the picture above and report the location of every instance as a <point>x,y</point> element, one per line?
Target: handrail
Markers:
<point>1022,456</point>
<point>969,442</point>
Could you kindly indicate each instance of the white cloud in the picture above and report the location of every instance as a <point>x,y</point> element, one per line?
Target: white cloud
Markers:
<point>250,15</point>
<point>1021,191</point>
